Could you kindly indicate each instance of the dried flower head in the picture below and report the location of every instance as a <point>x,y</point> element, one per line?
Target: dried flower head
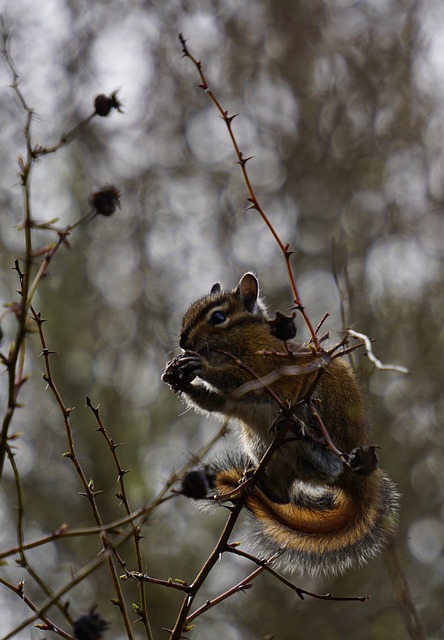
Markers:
<point>105,200</point>
<point>90,626</point>
<point>364,460</point>
<point>104,104</point>
<point>196,484</point>
<point>282,327</point>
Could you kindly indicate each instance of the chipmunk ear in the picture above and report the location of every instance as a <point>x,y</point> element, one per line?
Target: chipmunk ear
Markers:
<point>215,289</point>
<point>248,289</point>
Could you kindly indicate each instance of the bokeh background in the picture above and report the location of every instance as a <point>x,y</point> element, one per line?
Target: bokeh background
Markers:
<point>342,104</point>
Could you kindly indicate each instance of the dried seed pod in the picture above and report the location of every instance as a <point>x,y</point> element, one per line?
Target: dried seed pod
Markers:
<point>104,104</point>
<point>90,626</point>
<point>196,484</point>
<point>282,327</point>
<point>105,200</point>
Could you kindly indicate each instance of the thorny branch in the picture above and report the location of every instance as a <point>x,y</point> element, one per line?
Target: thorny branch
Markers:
<point>14,361</point>
<point>241,586</point>
<point>134,520</point>
<point>136,529</point>
<point>88,485</point>
<point>301,593</point>
<point>252,198</point>
<point>319,361</point>
<point>51,626</point>
<point>23,560</point>
<point>241,493</point>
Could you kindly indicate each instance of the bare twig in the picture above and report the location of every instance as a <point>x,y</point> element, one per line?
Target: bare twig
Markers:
<point>51,626</point>
<point>170,583</point>
<point>241,496</point>
<point>243,492</point>
<point>177,631</point>
<point>88,486</point>
<point>75,579</point>
<point>241,586</point>
<point>252,197</point>
<point>301,593</point>
<point>404,595</point>
<point>371,356</point>
<point>16,355</point>
<point>24,562</point>
<point>16,358</point>
<point>136,529</point>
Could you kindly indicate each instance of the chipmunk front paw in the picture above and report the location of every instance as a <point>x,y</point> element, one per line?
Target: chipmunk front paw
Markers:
<point>181,370</point>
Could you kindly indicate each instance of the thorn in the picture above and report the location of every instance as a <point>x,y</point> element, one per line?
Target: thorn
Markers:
<point>48,352</point>
<point>243,161</point>
<point>229,119</point>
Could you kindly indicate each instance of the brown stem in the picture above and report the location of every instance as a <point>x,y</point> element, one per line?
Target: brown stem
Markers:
<point>222,543</point>
<point>177,631</point>
<point>243,585</point>
<point>19,590</point>
<point>16,359</point>
<point>171,584</point>
<point>252,198</point>
<point>142,610</point>
<point>298,590</point>
<point>88,488</point>
<point>404,595</point>
<point>24,562</point>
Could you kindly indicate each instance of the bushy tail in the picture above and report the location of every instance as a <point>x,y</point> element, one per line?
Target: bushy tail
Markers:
<point>325,529</point>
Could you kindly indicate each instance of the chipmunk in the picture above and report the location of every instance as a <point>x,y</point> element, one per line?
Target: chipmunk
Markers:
<point>321,512</point>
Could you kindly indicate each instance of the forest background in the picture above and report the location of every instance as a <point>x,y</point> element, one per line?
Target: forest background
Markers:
<point>341,105</point>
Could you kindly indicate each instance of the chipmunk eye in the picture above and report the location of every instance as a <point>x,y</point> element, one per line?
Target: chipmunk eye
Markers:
<point>217,317</point>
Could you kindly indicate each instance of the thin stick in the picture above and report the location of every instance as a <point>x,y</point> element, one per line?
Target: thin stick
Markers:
<point>404,595</point>
<point>252,198</point>
<point>88,487</point>
<point>19,590</point>
<point>371,356</point>
<point>122,495</point>
<point>301,593</point>
<point>243,585</point>
<point>24,562</point>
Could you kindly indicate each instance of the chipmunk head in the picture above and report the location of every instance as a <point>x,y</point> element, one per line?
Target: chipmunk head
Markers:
<point>219,318</point>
